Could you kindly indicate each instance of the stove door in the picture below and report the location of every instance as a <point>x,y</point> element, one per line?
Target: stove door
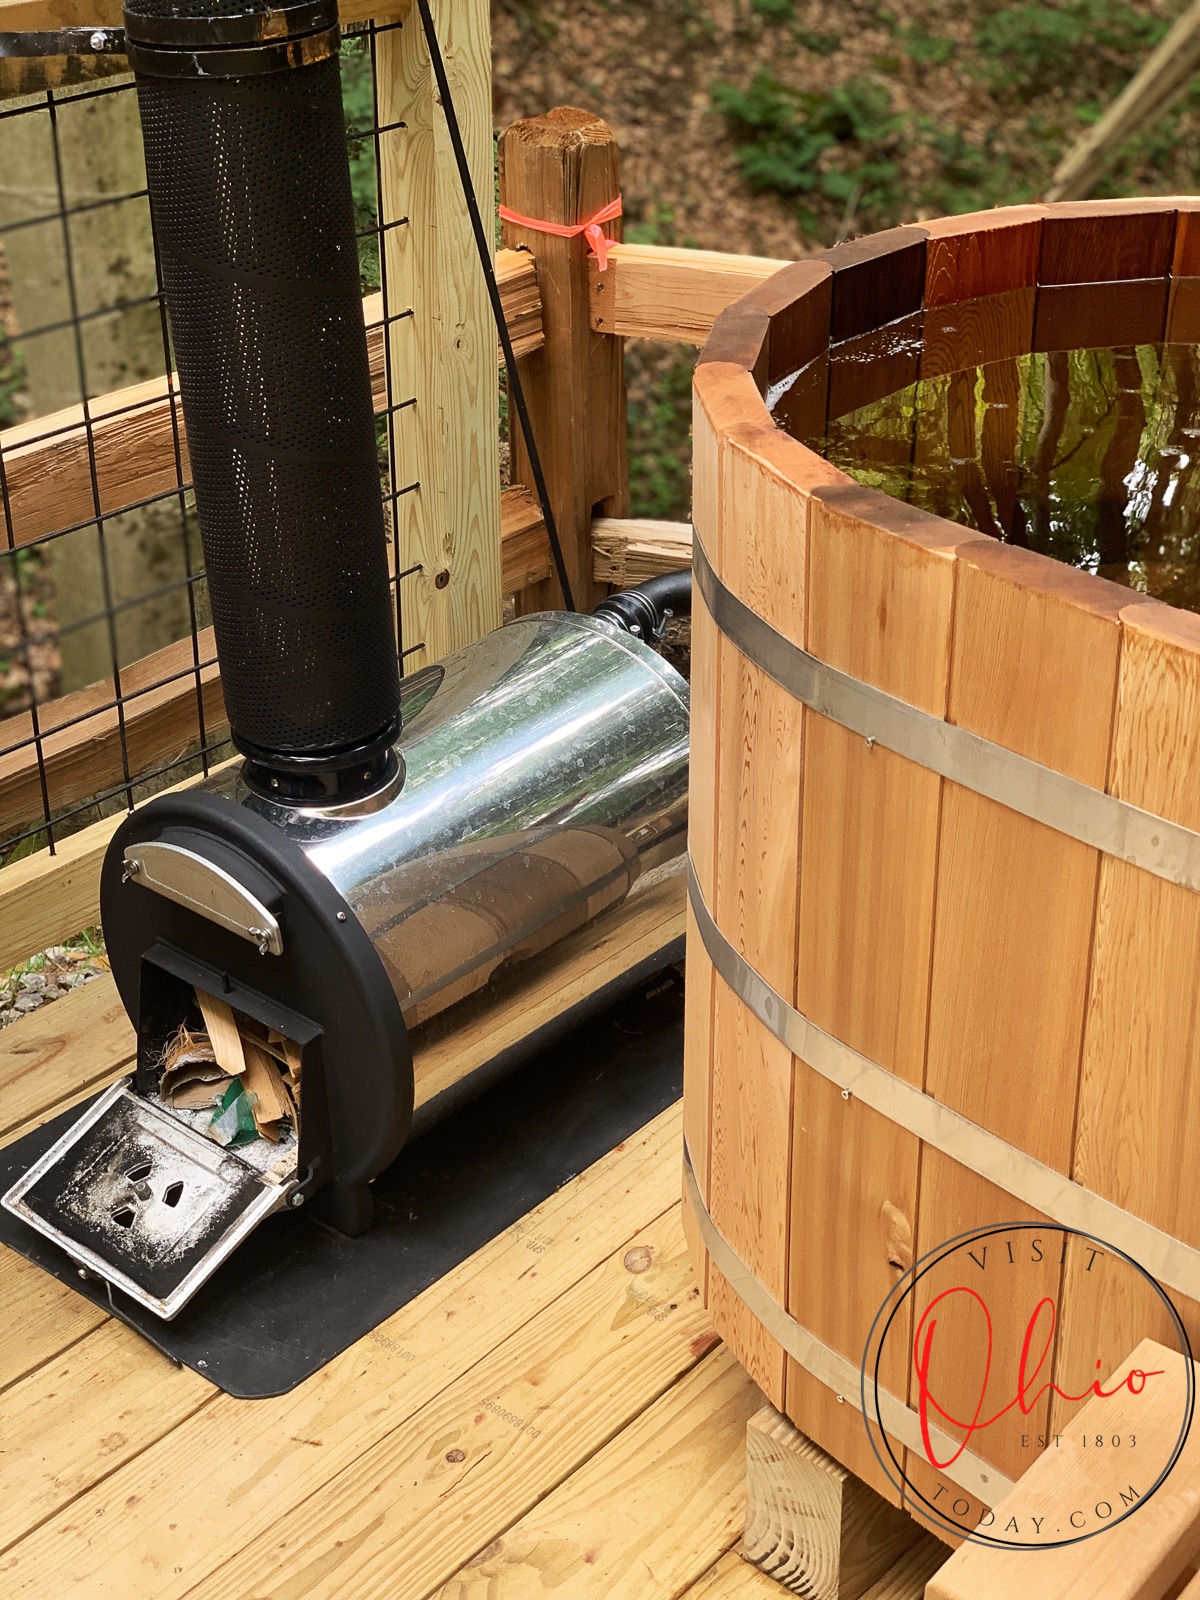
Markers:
<point>142,1200</point>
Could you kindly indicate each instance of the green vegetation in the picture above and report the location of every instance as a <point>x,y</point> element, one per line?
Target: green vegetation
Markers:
<point>660,415</point>
<point>821,44</point>
<point>1025,50</point>
<point>845,145</point>
<point>926,49</point>
<point>836,143</point>
<point>358,103</point>
<point>774,10</point>
<point>844,154</point>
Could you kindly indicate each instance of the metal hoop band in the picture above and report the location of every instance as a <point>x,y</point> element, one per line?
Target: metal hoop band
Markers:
<point>1169,1260</point>
<point>970,1472</point>
<point>1076,809</point>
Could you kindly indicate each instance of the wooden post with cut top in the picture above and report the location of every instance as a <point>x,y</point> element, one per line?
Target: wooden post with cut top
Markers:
<point>819,1531</point>
<point>563,168</point>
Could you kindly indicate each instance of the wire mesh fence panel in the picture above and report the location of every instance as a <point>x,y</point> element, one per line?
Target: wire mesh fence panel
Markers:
<point>109,686</point>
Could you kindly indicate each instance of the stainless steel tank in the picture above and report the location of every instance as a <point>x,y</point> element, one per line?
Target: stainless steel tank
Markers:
<point>543,773</point>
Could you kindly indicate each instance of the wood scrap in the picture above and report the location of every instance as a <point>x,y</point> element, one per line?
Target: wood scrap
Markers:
<point>291,1054</point>
<point>272,1043</point>
<point>223,1032</point>
<point>284,1168</point>
<point>266,1087</point>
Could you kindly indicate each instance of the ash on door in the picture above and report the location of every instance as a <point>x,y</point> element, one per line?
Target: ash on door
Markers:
<point>145,1193</point>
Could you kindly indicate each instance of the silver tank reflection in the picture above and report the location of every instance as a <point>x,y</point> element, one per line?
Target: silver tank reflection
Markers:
<point>545,774</point>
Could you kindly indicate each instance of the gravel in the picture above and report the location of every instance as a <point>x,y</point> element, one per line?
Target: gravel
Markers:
<point>62,970</point>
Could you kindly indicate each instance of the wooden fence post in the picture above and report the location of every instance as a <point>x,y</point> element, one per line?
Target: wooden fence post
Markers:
<point>813,1526</point>
<point>443,356</point>
<point>563,168</point>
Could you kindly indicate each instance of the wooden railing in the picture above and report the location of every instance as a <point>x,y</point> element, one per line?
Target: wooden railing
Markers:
<point>48,464</point>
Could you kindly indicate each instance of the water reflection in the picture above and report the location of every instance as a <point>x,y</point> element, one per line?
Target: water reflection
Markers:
<point>1088,456</point>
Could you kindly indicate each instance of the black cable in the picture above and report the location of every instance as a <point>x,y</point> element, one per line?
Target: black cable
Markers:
<point>489,272</point>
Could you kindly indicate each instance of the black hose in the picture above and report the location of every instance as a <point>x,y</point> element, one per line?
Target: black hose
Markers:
<point>643,610</point>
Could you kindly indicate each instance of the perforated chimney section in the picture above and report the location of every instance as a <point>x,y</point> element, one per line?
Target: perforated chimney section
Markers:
<point>250,189</point>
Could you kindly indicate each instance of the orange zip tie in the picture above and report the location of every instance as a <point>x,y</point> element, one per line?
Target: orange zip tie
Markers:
<point>596,238</point>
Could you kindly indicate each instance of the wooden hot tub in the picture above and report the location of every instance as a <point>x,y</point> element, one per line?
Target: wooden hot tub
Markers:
<point>944,947</point>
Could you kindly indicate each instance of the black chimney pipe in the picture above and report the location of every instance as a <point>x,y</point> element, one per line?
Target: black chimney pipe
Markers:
<point>249,184</point>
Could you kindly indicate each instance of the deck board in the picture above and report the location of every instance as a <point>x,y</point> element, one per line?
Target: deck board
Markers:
<point>170,1518</point>
<point>52,1057</point>
<point>95,1406</point>
<point>39,1317</point>
<point>602,1427</point>
<point>734,1579</point>
<point>409,1512</point>
<point>645,1516</point>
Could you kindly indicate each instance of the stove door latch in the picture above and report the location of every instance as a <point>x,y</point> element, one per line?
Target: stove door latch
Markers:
<point>190,880</point>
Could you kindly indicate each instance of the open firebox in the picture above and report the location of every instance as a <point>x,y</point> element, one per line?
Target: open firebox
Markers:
<point>163,1177</point>
<point>387,849</point>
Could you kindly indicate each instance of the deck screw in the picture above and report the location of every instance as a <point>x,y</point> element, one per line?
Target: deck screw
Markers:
<point>870,743</point>
<point>841,1399</point>
<point>845,1094</point>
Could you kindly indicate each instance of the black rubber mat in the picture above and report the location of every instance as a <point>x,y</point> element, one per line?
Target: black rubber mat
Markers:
<point>296,1293</point>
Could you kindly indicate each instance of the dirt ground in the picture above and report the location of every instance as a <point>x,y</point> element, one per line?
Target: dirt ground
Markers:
<point>967,104</point>
<point>646,69</point>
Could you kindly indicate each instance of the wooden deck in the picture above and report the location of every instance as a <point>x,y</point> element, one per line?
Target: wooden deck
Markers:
<point>555,1417</point>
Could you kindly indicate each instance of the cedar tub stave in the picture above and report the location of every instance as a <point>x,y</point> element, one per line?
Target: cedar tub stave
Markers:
<point>1043,989</point>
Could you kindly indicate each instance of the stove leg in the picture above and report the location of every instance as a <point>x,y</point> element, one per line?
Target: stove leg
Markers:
<point>348,1207</point>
